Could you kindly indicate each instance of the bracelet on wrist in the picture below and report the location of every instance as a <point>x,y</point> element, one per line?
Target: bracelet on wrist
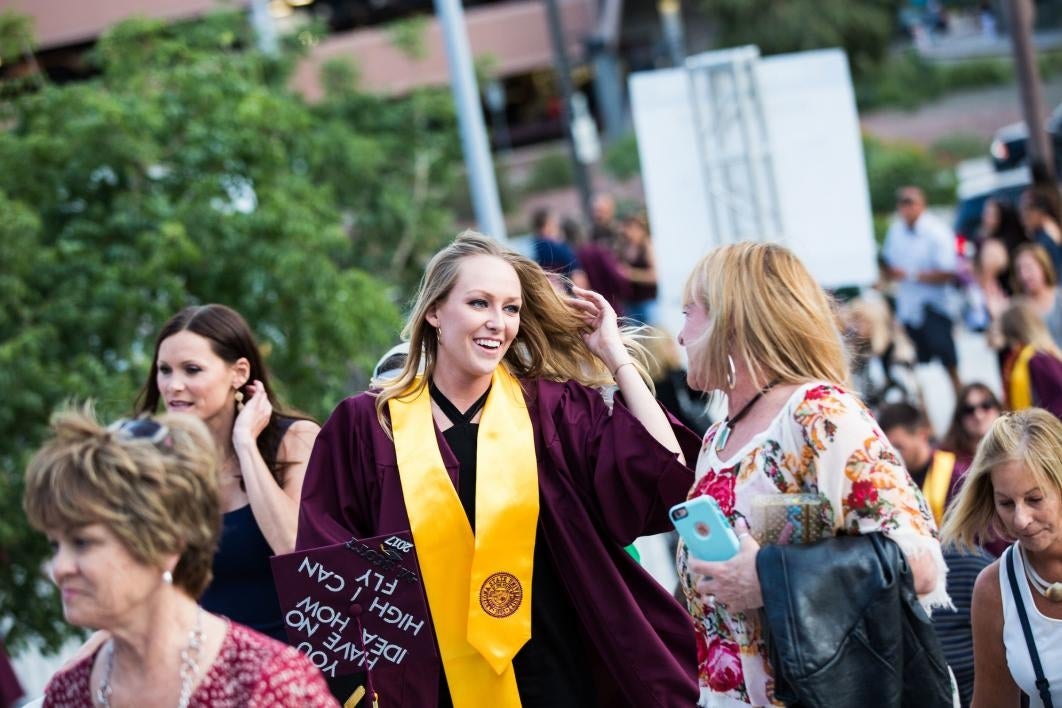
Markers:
<point>615,371</point>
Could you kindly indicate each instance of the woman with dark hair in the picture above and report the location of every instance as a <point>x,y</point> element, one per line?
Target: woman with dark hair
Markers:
<point>208,364</point>
<point>975,410</point>
<point>974,413</point>
<point>1043,222</point>
<point>1000,220</point>
<point>636,253</point>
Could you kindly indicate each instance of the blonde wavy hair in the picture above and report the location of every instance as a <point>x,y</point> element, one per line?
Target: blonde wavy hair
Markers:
<point>549,343</point>
<point>1031,436</point>
<point>157,498</point>
<point>766,308</point>
<point>1020,324</point>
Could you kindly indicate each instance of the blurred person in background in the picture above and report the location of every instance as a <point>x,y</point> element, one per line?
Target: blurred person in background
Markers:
<point>10,689</point>
<point>603,227</point>
<point>669,380</point>
<point>989,293</point>
<point>1036,279</point>
<point>939,473</point>
<point>919,255</point>
<point>1014,489</point>
<point>132,513</point>
<point>792,426</point>
<point>636,255</point>
<point>1000,220</point>
<point>975,411</point>
<point>208,364</point>
<point>552,252</point>
<point>603,270</point>
<point>390,364</point>
<point>933,470</point>
<point>1032,371</point>
<point>1040,213</point>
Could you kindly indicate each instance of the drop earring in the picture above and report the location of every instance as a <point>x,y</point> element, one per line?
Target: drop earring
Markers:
<point>239,400</point>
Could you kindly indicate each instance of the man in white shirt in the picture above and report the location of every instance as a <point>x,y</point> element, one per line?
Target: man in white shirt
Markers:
<point>919,254</point>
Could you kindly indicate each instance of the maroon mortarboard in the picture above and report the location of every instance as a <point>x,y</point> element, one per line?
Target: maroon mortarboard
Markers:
<point>359,606</point>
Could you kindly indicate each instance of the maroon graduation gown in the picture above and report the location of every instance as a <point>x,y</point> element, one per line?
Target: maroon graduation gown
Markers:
<point>603,481</point>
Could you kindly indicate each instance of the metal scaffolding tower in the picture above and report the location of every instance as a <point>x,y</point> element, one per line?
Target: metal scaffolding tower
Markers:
<point>734,146</point>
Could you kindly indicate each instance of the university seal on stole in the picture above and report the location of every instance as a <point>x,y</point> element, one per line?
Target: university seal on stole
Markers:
<point>501,595</point>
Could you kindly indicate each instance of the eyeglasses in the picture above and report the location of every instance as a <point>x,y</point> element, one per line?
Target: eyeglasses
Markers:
<point>146,429</point>
<point>971,408</point>
<point>905,201</point>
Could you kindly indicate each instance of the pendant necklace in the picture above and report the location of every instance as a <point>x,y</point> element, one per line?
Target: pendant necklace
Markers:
<point>1052,591</point>
<point>189,666</point>
<point>729,422</point>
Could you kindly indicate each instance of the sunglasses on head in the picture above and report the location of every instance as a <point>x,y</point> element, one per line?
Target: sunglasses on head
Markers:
<point>145,429</point>
<point>971,408</point>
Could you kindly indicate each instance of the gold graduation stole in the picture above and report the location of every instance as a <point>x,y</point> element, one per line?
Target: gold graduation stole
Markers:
<point>935,487</point>
<point>1019,392</point>
<point>478,586</point>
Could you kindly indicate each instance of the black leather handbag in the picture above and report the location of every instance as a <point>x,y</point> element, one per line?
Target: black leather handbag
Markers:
<point>844,627</point>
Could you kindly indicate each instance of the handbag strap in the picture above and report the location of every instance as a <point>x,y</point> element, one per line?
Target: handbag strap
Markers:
<point>1042,684</point>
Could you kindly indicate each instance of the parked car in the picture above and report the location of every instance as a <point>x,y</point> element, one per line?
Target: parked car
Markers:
<point>1009,148</point>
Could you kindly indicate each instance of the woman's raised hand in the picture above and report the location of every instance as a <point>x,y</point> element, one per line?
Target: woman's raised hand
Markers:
<point>735,582</point>
<point>252,420</point>
<point>604,336</point>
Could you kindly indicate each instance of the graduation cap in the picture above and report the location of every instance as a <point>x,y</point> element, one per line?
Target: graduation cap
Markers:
<point>357,607</point>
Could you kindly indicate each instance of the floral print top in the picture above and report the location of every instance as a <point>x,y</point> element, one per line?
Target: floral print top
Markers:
<point>250,671</point>
<point>823,442</point>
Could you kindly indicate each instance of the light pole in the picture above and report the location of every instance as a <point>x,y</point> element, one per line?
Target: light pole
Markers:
<point>671,19</point>
<point>264,27</point>
<point>564,79</point>
<point>1020,21</point>
<point>481,182</point>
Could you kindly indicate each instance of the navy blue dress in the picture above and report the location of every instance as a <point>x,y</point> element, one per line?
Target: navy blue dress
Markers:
<point>242,588</point>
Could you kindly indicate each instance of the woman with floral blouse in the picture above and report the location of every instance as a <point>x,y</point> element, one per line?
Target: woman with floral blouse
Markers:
<point>760,330</point>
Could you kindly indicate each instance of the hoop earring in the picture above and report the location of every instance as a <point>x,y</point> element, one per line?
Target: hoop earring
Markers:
<point>239,400</point>
<point>731,372</point>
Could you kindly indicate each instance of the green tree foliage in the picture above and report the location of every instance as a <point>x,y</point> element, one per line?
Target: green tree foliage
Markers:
<point>862,28</point>
<point>185,173</point>
<point>892,165</point>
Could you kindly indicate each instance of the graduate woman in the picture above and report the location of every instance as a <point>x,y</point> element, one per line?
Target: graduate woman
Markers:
<point>521,487</point>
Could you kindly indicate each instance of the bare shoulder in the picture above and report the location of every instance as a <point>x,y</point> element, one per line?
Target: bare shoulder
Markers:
<point>302,429</point>
<point>299,436</point>
<point>986,592</point>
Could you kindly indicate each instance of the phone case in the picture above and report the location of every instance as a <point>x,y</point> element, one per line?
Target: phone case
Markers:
<point>701,524</point>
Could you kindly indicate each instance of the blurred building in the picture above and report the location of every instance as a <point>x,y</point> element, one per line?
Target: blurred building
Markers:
<point>511,35</point>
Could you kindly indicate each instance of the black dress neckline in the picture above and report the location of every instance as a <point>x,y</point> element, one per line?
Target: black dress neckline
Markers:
<point>451,411</point>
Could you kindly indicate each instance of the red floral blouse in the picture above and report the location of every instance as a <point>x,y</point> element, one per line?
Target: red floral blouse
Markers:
<point>250,670</point>
<point>823,442</point>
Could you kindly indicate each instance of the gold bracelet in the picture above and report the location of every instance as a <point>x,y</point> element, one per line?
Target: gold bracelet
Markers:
<point>626,363</point>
